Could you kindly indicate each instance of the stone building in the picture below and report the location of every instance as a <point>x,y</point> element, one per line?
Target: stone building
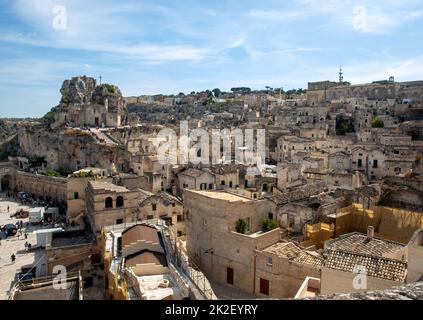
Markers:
<point>109,204</point>
<point>163,206</point>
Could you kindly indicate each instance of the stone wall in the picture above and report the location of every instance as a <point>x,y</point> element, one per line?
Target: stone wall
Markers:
<point>336,281</point>
<point>42,186</point>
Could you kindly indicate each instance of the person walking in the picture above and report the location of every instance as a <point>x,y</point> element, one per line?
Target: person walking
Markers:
<point>7,208</point>
<point>13,258</point>
<point>26,246</point>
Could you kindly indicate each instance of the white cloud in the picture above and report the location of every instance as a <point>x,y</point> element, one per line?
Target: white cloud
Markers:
<point>383,16</point>
<point>278,15</point>
<point>94,26</point>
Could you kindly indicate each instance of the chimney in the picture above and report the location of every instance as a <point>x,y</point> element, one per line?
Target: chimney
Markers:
<point>370,232</point>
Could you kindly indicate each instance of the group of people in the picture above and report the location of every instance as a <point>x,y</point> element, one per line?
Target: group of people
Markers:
<point>27,245</point>
<point>19,226</point>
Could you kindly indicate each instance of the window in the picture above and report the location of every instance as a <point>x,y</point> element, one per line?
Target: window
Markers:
<point>230,275</point>
<point>222,182</point>
<point>88,282</point>
<point>119,202</point>
<point>153,206</point>
<point>374,163</point>
<point>210,186</point>
<point>269,261</point>
<point>150,216</point>
<point>119,221</point>
<point>359,164</point>
<point>76,195</point>
<point>204,221</point>
<point>264,286</point>
<point>173,205</point>
<point>270,215</point>
<point>108,202</point>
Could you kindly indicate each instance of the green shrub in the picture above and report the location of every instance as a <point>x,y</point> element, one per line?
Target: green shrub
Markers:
<point>84,174</point>
<point>269,224</point>
<point>241,226</point>
<point>35,161</point>
<point>110,88</point>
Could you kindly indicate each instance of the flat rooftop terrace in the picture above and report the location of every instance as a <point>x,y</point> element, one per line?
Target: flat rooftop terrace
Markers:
<point>223,195</point>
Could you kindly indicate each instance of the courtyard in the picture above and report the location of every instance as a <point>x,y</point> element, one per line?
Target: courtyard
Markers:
<point>16,245</point>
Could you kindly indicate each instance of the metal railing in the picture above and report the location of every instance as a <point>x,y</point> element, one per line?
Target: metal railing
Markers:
<point>181,260</point>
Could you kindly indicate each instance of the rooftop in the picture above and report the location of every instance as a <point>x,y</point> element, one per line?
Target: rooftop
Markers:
<point>376,267</point>
<point>158,287</point>
<point>284,249</point>
<point>222,195</point>
<point>140,232</point>
<point>192,172</point>
<point>71,238</point>
<point>294,253</point>
<point>311,258</point>
<point>146,257</point>
<point>359,243</point>
<point>107,186</point>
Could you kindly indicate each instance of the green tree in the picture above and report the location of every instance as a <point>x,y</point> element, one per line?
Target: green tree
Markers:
<point>377,123</point>
<point>216,92</point>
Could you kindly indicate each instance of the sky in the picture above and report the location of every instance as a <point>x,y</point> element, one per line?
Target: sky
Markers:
<point>172,46</point>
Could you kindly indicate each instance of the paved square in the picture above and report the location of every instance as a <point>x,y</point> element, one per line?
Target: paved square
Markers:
<point>14,245</point>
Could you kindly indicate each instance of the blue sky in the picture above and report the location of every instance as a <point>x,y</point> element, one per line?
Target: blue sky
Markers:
<point>149,47</point>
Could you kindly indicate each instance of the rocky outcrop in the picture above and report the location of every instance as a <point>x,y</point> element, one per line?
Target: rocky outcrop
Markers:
<point>109,95</point>
<point>9,147</point>
<point>84,90</point>
<point>7,129</point>
<point>412,291</point>
<point>84,103</point>
<point>77,90</point>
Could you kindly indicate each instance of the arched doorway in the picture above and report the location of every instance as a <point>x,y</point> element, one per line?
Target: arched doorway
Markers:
<point>6,182</point>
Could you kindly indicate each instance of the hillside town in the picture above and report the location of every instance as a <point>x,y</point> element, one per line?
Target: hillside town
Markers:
<point>312,193</point>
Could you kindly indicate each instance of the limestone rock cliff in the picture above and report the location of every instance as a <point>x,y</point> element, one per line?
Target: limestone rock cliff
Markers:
<point>78,90</point>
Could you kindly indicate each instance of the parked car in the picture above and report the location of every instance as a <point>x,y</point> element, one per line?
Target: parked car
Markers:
<point>9,229</point>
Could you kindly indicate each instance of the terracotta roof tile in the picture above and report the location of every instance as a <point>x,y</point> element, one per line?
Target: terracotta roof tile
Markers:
<point>377,267</point>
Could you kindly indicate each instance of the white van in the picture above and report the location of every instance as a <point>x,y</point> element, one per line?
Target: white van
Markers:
<point>36,215</point>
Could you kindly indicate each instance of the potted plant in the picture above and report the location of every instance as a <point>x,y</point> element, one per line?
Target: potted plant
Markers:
<point>269,224</point>
<point>240,226</point>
